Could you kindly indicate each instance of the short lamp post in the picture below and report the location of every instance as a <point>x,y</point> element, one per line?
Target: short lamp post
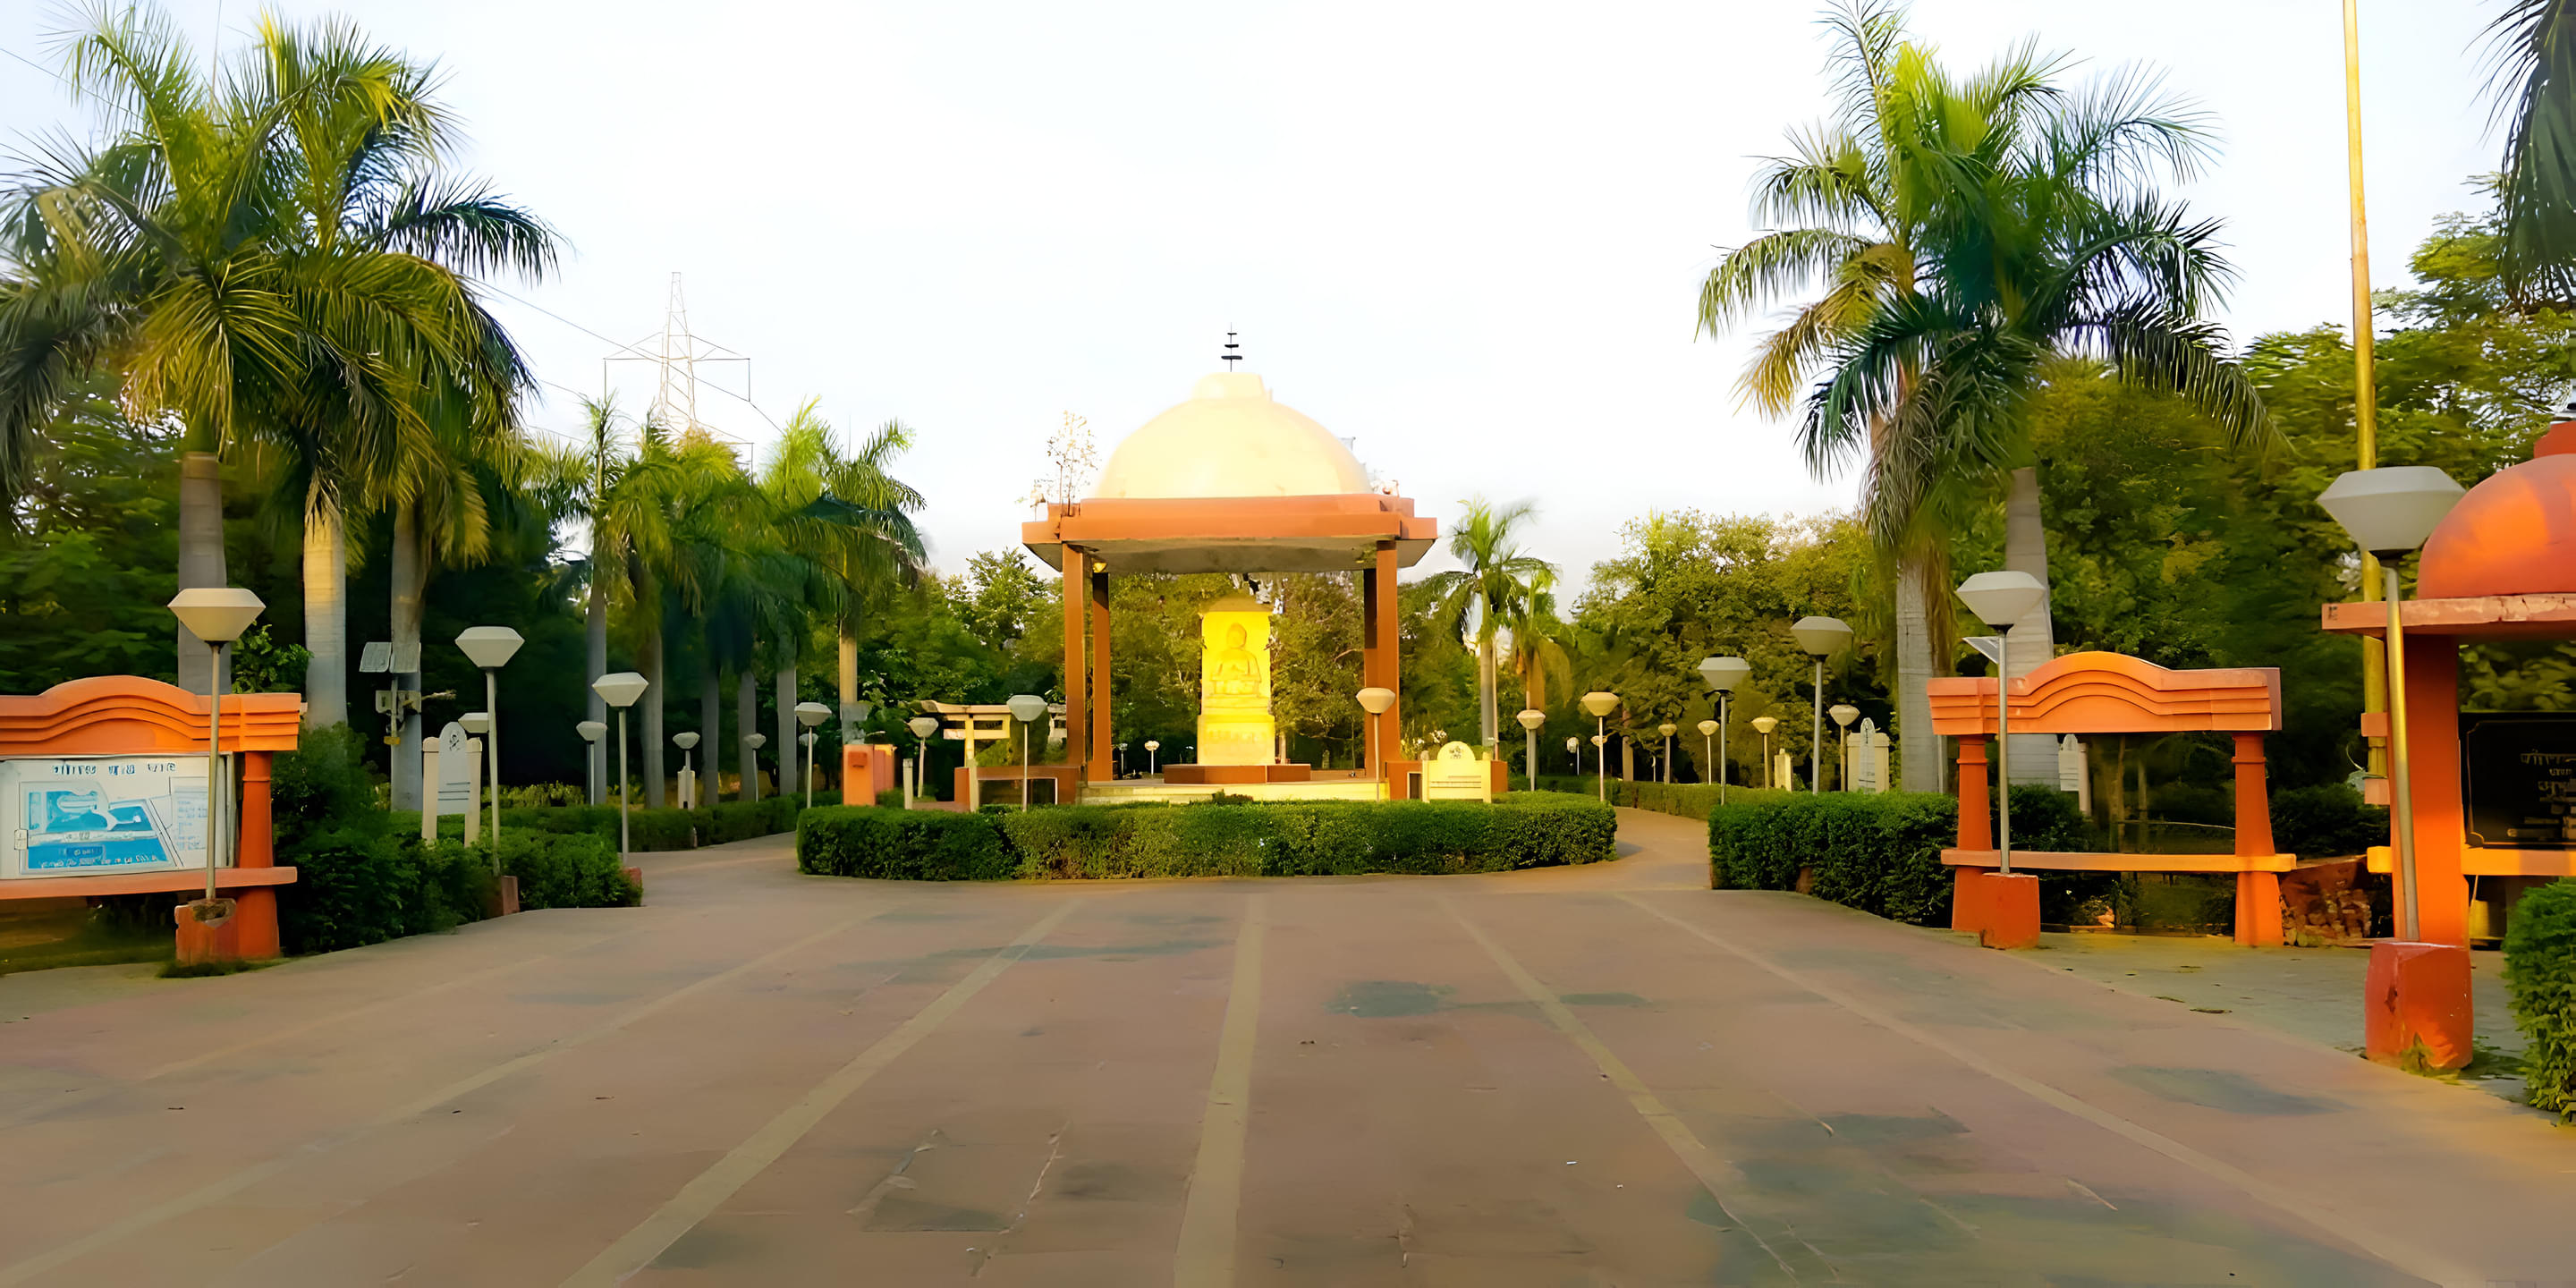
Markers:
<point>620,690</point>
<point>687,742</point>
<point>1843,713</point>
<point>1820,637</point>
<point>751,783</point>
<point>1668,729</point>
<point>918,781</point>
<point>1722,674</point>
<point>1531,718</point>
<point>1599,704</point>
<point>1153,749</point>
<point>1028,709</point>
<point>1375,701</point>
<point>478,724</point>
<point>218,615</point>
<point>2390,513</point>
<point>2001,599</point>
<point>1574,748</point>
<point>1763,725</point>
<point>491,648</point>
<point>810,715</point>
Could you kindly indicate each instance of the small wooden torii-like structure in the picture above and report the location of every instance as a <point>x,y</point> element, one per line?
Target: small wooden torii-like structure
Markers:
<point>2095,693</point>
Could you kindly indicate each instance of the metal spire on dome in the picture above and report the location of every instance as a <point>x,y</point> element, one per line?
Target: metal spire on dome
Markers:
<point>1233,351</point>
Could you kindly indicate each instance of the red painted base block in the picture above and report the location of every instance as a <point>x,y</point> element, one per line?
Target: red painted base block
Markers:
<point>249,934</point>
<point>2416,1007</point>
<point>635,878</point>
<point>2011,910</point>
<point>505,896</point>
<point>1968,900</point>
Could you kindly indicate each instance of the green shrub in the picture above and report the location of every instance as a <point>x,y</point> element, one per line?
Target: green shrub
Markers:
<point>565,871</point>
<point>1280,839</point>
<point>2327,821</point>
<point>2540,966</point>
<point>356,886</point>
<point>1879,852</point>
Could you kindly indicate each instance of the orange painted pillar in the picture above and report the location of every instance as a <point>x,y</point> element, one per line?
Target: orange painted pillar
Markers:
<point>1390,664</point>
<point>2433,749</point>
<point>1076,727</point>
<point>2258,894</point>
<point>1373,757</point>
<point>1967,902</point>
<point>1102,764</point>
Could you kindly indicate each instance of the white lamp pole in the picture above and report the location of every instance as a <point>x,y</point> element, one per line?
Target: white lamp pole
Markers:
<point>1600,704</point>
<point>1153,749</point>
<point>1531,718</point>
<point>686,742</point>
<point>1574,750</point>
<point>1027,709</point>
<point>1667,729</point>
<point>811,715</point>
<point>922,727</point>
<point>1375,701</point>
<point>620,691</point>
<point>479,725</point>
<point>218,615</point>
<point>2389,513</point>
<point>1843,713</point>
<point>1819,636</point>
<point>491,647</point>
<point>1722,674</point>
<point>1708,752</point>
<point>2001,599</point>
<point>1763,725</point>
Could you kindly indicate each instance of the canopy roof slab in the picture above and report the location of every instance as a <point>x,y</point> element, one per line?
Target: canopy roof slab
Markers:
<point>1244,534</point>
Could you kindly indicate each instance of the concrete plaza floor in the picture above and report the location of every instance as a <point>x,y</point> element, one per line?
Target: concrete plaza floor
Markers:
<point>1600,1076</point>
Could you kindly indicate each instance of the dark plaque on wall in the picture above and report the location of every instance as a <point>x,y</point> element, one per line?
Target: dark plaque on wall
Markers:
<point>2518,770</point>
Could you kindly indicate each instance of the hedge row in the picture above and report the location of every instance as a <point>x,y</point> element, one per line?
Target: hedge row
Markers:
<point>2540,966</point>
<point>1879,852</point>
<point>650,829</point>
<point>1523,830</point>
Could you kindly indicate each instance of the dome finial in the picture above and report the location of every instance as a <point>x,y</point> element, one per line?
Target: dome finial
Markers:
<point>1233,351</point>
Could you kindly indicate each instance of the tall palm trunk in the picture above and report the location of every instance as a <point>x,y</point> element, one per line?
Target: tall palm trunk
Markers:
<point>791,758</point>
<point>849,688</point>
<point>746,710</point>
<point>411,582</point>
<point>710,726</point>
<point>1918,748</point>
<point>326,616</point>
<point>2033,642</point>
<point>595,665</point>
<point>1488,720</point>
<point>654,695</point>
<point>201,557</point>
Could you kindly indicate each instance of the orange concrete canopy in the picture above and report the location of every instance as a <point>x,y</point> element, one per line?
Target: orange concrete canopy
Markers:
<point>126,715</point>
<point>2084,693</point>
<point>2513,534</point>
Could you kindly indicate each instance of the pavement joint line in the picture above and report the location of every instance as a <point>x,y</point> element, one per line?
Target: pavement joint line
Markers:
<point>1715,1173</point>
<point>2402,1256</point>
<point>216,1191</point>
<point>1205,1255</point>
<point>722,1179</point>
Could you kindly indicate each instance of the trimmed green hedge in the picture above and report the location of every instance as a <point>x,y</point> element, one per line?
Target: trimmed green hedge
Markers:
<point>1881,852</point>
<point>651,830</point>
<point>1318,838</point>
<point>2540,966</point>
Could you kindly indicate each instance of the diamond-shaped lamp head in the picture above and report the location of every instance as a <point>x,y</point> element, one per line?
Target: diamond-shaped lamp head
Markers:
<point>489,647</point>
<point>856,711</point>
<point>1531,719</point>
<point>1708,728</point>
<point>1724,673</point>
<point>591,730</point>
<point>1843,713</point>
<point>620,689</point>
<point>216,614</point>
<point>2391,510</point>
<point>1153,744</point>
<point>2000,599</point>
<point>1574,744</point>
<point>684,741</point>
<point>1027,708</point>
<point>1820,635</point>
<point>477,723</point>
<point>810,714</point>
<point>758,741</point>
<point>1765,724</point>
<point>1599,705</point>
<point>922,726</point>
<point>1667,728</point>
<point>1375,700</point>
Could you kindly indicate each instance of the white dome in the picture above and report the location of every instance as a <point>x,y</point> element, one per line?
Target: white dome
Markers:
<point>1230,439</point>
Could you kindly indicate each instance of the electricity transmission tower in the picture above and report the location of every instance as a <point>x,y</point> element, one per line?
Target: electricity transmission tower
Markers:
<point>678,353</point>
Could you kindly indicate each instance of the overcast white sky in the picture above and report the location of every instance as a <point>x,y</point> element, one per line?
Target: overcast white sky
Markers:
<point>1468,235</point>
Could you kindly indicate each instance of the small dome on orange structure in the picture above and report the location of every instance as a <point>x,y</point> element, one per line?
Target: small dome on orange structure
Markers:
<point>2514,534</point>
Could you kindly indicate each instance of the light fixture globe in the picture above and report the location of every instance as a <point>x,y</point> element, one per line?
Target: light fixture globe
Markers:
<point>1600,705</point>
<point>1375,700</point>
<point>216,614</point>
<point>2391,510</point>
<point>1027,708</point>
<point>1765,724</point>
<point>1531,719</point>
<point>1724,673</point>
<point>810,714</point>
<point>1820,636</point>
<point>684,741</point>
<point>488,647</point>
<point>1667,728</point>
<point>477,723</point>
<point>1574,744</point>
<point>1708,728</point>
<point>1153,744</point>
<point>1600,739</point>
<point>1843,713</point>
<point>591,730</point>
<point>2000,599</point>
<point>758,741</point>
<point>856,710</point>
<point>922,726</point>
<point>621,688</point>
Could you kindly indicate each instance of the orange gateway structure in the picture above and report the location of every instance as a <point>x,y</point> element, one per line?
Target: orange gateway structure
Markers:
<point>1230,481</point>
<point>2089,693</point>
<point>102,791</point>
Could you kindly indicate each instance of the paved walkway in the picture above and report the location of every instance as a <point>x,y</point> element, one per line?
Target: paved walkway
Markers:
<point>1599,1076</point>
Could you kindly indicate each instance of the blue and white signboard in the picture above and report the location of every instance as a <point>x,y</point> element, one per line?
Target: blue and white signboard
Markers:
<point>88,815</point>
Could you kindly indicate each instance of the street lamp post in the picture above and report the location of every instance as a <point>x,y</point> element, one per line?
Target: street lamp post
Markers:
<point>1531,718</point>
<point>1375,701</point>
<point>1763,725</point>
<point>478,725</point>
<point>1722,674</point>
<point>2389,512</point>
<point>1153,749</point>
<point>620,691</point>
<point>218,615</point>
<point>686,742</point>
<point>919,778</point>
<point>491,647</point>
<point>1600,705</point>
<point>810,715</point>
<point>1708,752</point>
<point>1666,729</point>
<point>1028,709</point>
<point>2001,599</point>
<point>1843,713</point>
<point>1819,636</point>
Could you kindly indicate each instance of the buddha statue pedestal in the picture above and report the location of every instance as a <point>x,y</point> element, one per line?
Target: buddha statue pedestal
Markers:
<point>1238,741</point>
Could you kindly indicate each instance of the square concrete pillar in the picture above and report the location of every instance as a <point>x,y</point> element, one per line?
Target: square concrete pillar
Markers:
<point>2416,1007</point>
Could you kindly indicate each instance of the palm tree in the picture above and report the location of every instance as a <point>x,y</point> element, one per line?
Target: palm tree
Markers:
<point>1848,205</point>
<point>1492,589</point>
<point>2533,47</point>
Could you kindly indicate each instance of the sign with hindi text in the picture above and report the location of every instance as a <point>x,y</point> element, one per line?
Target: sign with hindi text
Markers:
<point>88,815</point>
